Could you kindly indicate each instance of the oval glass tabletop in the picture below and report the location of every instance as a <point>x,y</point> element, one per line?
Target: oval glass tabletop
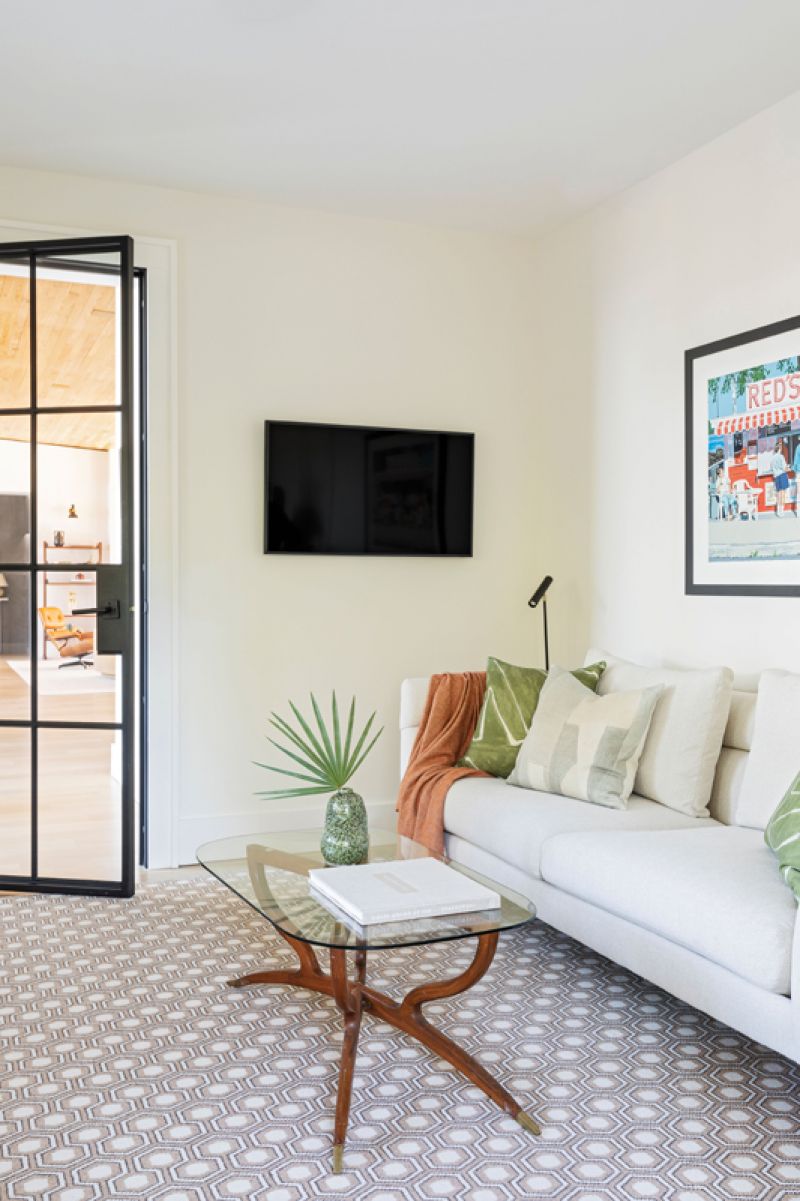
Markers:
<point>270,873</point>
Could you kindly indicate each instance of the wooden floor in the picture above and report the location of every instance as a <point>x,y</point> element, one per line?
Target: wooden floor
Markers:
<point>79,798</point>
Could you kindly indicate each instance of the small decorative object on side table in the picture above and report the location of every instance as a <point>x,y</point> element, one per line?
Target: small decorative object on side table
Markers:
<point>328,762</point>
<point>270,873</point>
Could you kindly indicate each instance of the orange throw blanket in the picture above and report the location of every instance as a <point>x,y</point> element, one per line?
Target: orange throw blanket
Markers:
<point>445,731</point>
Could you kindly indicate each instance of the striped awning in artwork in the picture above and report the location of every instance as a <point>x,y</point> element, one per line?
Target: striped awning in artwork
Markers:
<point>754,420</point>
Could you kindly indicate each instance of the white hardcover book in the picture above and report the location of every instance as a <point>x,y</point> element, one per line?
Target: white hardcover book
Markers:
<point>399,890</point>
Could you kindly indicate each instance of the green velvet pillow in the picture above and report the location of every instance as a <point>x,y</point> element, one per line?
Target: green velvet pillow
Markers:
<point>782,836</point>
<point>512,694</point>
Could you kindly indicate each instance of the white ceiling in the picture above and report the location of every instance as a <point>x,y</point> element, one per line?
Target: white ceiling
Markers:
<point>506,114</point>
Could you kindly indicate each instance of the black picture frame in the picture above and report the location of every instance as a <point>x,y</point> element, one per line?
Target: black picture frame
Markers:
<point>745,587</point>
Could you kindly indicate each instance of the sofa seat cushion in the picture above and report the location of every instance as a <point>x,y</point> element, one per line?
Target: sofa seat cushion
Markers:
<point>716,891</point>
<point>514,823</point>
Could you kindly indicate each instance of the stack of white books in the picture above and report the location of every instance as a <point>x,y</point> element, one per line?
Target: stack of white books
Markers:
<point>400,890</point>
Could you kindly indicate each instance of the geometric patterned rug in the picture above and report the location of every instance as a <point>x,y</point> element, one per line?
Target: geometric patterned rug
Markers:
<point>129,1070</point>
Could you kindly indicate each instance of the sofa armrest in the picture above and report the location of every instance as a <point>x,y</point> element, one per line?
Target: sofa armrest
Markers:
<point>794,987</point>
<point>413,694</point>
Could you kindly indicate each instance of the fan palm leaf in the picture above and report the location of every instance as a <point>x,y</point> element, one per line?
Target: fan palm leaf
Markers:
<point>328,760</point>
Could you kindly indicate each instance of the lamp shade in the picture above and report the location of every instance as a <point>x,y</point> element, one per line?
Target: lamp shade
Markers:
<point>539,594</point>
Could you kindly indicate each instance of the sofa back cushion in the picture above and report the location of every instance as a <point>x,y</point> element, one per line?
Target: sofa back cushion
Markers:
<point>774,759</point>
<point>682,749</point>
<point>735,752</point>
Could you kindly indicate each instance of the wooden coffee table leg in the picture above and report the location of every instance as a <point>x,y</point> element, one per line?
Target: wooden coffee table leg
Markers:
<point>349,999</point>
<point>407,1016</point>
<point>353,996</point>
<point>308,975</point>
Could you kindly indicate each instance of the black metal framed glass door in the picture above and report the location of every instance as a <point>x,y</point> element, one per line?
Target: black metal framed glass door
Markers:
<point>69,566</point>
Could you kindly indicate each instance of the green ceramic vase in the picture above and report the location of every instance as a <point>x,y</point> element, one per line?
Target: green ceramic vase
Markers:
<point>345,838</point>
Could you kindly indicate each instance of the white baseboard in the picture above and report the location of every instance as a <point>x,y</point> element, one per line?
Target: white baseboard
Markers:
<point>195,829</point>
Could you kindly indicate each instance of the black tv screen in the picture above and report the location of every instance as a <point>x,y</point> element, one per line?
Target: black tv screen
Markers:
<point>363,490</point>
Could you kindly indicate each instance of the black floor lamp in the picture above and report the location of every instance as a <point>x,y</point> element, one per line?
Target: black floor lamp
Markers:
<point>540,595</point>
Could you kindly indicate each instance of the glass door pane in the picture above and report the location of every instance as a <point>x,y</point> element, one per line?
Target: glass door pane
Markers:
<point>80,804</point>
<point>79,485</point>
<point>15,348</point>
<point>78,331</point>
<point>15,487</point>
<point>15,646</point>
<point>75,682</point>
<point>15,802</point>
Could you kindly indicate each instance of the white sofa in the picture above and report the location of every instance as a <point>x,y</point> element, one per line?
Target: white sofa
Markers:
<point>695,905</point>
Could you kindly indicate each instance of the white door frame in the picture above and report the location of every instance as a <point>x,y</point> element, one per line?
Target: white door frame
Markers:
<point>158,256</point>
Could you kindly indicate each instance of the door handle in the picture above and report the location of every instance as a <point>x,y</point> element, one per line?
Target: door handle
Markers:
<point>111,610</point>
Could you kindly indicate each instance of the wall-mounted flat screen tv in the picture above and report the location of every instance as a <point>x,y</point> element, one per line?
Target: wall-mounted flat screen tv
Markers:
<point>363,490</point>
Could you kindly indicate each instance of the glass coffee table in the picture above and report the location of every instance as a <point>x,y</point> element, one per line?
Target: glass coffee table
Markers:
<point>270,873</point>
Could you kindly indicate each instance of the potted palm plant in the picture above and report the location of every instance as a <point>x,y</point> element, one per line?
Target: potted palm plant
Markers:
<point>328,761</point>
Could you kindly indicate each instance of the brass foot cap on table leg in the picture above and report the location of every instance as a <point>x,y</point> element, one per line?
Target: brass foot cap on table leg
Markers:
<point>338,1152</point>
<point>527,1122</point>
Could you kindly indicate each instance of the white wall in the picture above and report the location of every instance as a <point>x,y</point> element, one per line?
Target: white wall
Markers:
<point>294,314</point>
<point>706,248</point>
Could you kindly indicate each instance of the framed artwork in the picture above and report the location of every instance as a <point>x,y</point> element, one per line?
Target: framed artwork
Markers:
<point>743,464</point>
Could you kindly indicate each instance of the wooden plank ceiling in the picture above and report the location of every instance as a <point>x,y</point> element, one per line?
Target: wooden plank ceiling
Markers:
<point>76,359</point>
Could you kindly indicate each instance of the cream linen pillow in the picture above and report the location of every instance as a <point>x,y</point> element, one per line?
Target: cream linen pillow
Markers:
<point>680,756</point>
<point>775,753</point>
<point>582,745</point>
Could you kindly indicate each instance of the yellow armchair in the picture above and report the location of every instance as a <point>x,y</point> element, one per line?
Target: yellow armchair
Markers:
<point>72,644</point>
